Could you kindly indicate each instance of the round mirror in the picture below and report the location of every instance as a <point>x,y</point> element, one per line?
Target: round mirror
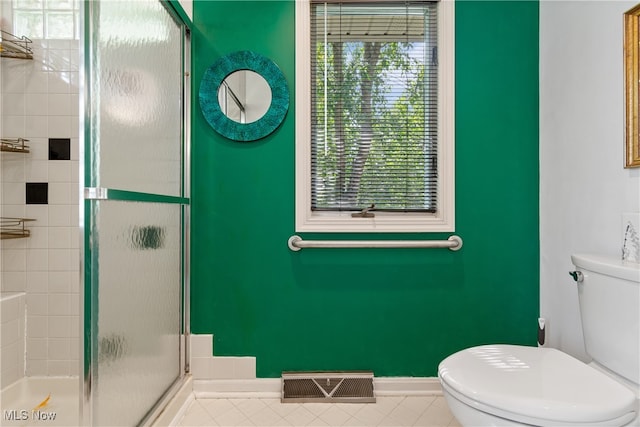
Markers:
<point>244,96</point>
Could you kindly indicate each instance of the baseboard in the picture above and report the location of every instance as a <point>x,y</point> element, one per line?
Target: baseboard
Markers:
<point>271,387</point>
<point>407,386</point>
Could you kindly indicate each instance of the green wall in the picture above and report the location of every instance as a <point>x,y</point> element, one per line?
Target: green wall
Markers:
<point>397,312</point>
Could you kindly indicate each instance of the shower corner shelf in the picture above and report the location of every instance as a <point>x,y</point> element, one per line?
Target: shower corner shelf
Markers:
<point>15,47</point>
<point>14,228</point>
<point>14,145</point>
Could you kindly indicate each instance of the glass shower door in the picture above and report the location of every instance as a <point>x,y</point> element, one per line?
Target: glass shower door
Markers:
<point>135,208</point>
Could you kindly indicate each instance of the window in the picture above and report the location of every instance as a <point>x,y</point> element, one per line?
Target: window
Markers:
<point>374,88</point>
<point>46,19</point>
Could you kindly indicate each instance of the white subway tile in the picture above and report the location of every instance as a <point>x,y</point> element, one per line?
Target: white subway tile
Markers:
<point>37,82</point>
<point>75,179</point>
<point>59,304</point>
<point>59,349</point>
<point>74,86</point>
<point>37,259</point>
<point>10,355</point>
<point>37,368</point>
<point>75,237</point>
<point>60,282</point>
<point>14,125</point>
<point>39,238</point>
<point>38,212</point>
<point>37,171</point>
<point>75,322</point>
<point>74,260</point>
<point>12,211</point>
<point>10,331</point>
<point>12,168</point>
<point>36,127</point>
<point>58,44</point>
<point>39,148</point>
<point>59,81</point>
<point>59,327</point>
<point>9,310</point>
<point>58,60</point>
<point>37,282</point>
<point>201,368</point>
<point>58,368</point>
<point>60,127</point>
<point>59,259</point>
<point>59,104</point>
<point>13,281</point>
<point>36,325</point>
<point>37,348</point>
<point>75,104</point>
<point>201,345</point>
<point>74,216</point>
<point>60,215</point>
<point>74,366</point>
<point>13,77</point>
<point>36,104</point>
<point>60,171</point>
<point>37,305</point>
<point>14,260</point>
<point>75,344</point>
<point>245,367</point>
<point>223,368</point>
<point>13,193</point>
<point>75,282</point>
<point>13,103</point>
<point>59,193</point>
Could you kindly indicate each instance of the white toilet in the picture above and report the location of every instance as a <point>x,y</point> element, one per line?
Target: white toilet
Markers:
<point>510,385</point>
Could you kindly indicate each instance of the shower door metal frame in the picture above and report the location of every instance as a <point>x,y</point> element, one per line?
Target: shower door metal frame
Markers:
<point>88,194</point>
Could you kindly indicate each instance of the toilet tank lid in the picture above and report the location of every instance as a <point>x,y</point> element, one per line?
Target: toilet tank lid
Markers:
<point>535,383</point>
<point>609,266</point>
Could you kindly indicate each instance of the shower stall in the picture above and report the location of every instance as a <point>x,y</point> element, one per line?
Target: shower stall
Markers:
<point>95,210</point>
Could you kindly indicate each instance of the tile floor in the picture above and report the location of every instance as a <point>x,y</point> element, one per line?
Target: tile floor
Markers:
<point>387,411</point>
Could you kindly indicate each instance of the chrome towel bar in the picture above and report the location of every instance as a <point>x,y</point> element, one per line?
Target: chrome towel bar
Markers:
<point>296,243</point>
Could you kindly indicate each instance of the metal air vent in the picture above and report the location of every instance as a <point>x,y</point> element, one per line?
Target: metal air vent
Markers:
<point>330,387</point>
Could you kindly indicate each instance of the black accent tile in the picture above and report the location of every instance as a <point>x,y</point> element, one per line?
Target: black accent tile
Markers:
<point>37,193</point>
<point>59,149</point>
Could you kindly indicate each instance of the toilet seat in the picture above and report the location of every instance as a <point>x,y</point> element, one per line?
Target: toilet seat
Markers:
<point>538,386</point>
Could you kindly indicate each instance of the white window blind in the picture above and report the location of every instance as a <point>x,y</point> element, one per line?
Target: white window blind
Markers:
<point>374,106</point>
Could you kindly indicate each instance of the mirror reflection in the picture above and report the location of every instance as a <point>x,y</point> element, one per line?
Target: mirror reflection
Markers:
<point>244,96</point>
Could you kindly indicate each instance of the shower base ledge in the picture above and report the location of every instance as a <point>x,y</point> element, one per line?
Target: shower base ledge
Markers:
<point>23,401</point>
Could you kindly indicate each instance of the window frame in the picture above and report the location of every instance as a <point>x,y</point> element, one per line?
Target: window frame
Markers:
<point>443,220</point>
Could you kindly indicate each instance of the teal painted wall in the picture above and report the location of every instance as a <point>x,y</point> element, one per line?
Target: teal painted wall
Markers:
<point>397,312</point>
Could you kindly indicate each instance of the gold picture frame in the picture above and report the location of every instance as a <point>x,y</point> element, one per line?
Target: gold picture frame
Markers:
<point>632,100</point>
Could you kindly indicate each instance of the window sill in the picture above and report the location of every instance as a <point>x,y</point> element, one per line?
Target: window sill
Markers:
<point>410,222</point>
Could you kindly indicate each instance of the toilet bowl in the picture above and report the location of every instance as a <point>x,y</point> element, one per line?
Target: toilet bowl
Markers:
<point>500,385</point>
<point>507,385</point>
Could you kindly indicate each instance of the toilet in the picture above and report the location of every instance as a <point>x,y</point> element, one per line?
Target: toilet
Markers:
<point>511,385</point>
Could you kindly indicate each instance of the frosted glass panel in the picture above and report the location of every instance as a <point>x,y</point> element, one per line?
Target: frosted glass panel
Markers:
<point>138,318</point>
<point>136,97</point>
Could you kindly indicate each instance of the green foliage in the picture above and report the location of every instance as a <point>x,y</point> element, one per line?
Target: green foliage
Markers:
<point>374,139</point>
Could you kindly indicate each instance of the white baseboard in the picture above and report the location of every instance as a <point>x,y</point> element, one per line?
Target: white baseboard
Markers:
<point>271,387</point>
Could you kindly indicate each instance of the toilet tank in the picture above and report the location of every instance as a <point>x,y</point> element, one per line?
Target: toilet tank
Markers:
<point>609,296</point>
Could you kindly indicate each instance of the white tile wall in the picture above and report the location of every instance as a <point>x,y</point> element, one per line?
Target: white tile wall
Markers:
<point>12,345</point>
<point>40,101</point>
<point>206,366</point>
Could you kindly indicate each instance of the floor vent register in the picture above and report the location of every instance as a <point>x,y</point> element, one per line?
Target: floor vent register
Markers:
<point>330,387</point>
